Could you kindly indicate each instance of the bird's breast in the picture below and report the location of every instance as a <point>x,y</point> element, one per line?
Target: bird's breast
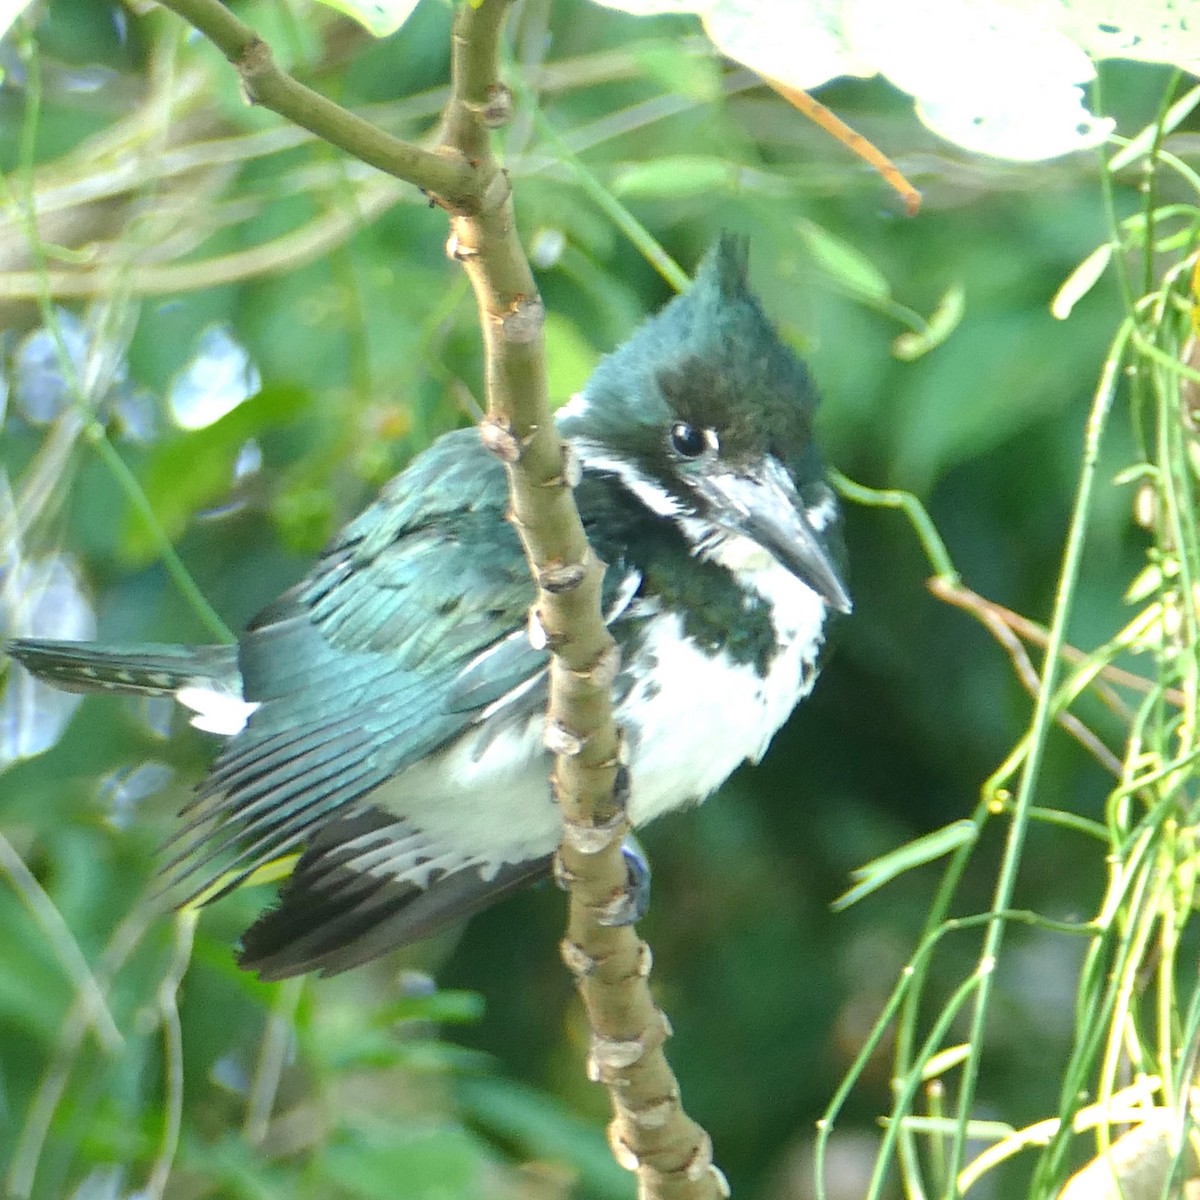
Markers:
<point>691,715</point>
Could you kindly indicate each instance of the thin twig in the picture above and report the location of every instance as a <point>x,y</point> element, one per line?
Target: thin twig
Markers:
<point>109,165</point>
<point>272,1055</point>
<point>39,1116</point>
<point>994,617</point>
<point>172,1030</point>
<point>446,176</point>
<point>824,118</point>
<point>1031,631</point>
<point>289,251</point>
<point>51,922</point>
<point>82,390</point>
<point>1043,714</point>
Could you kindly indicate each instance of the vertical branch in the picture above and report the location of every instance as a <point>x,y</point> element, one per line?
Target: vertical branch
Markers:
<point>649,1133</point>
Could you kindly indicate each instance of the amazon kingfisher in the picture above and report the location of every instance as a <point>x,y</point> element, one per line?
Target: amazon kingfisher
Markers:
<point>384,717</point>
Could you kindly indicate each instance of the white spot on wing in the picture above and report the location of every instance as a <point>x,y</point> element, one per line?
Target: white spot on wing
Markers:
<point>216,712</point>
<point>494,648</point>
<point>625,593</point>
<point>509,697</point>
<point>573,409</point>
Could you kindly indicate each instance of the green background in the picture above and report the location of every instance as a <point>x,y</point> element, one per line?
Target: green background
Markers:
<point>391,1090</point>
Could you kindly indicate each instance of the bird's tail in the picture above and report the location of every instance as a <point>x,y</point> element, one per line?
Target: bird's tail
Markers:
<point>205,679</point>
<point>148,670</point>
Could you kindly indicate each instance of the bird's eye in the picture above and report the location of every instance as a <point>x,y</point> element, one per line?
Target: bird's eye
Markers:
<point>689,442</point>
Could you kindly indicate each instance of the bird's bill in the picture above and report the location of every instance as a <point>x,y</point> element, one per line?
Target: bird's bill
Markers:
<point>762,504</point>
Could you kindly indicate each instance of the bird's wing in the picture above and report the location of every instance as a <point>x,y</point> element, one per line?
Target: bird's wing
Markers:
<point>142,670</point>
<point>408,631</point>
<point>352,897</point>
<point>355,669</point>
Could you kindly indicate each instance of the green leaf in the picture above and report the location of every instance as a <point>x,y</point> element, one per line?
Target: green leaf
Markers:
<point>543,1129</point>
<point>415,1164</point>
<point>675,176</point>
<point>943,321</point>
<point>975,393</point>
<point>570,357</point>
<point>451,1007</point>
<point>377,17</point>
<point>370,1047</point>
<point>237,1169</point>
<point>978,1131</point>
<point>917,853</point>
<point>32,986</point>
<point>1148,582</point>
<point>946,1060</point>
<point>698,78</point>
<point>1081,281</point>
<point>842,262</point>
<point>1148,138</point>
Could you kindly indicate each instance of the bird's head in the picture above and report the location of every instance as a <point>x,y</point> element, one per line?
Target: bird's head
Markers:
<point>706,416</point>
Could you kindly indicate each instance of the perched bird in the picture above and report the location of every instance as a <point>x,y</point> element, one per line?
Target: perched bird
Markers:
<point>385,716</point>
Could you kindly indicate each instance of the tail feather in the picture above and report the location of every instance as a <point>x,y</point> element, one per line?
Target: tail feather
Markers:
<point>148,670</point>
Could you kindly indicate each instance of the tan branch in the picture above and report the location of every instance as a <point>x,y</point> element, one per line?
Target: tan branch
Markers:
<point>999,622</point>
<point>1031,631</point>
<point>286,252</point>
<point>649,1133</point>
<point>444,174</point>
<point>1008,627</point>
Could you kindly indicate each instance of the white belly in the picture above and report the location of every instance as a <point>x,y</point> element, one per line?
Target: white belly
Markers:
<point>487,796</point>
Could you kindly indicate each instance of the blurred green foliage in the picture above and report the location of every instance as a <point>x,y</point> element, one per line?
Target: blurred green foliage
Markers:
<point>336,283</point>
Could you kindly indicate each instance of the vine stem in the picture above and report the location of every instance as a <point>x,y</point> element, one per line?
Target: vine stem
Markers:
<point>1043,718</point>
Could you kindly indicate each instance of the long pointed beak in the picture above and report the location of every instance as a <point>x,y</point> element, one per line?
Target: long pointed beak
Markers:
<point>763,505</point>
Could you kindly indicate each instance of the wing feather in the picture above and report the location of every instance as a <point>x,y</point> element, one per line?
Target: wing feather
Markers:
<point>352,897</point>
<point>408,632</point>
<point>355,669</point>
